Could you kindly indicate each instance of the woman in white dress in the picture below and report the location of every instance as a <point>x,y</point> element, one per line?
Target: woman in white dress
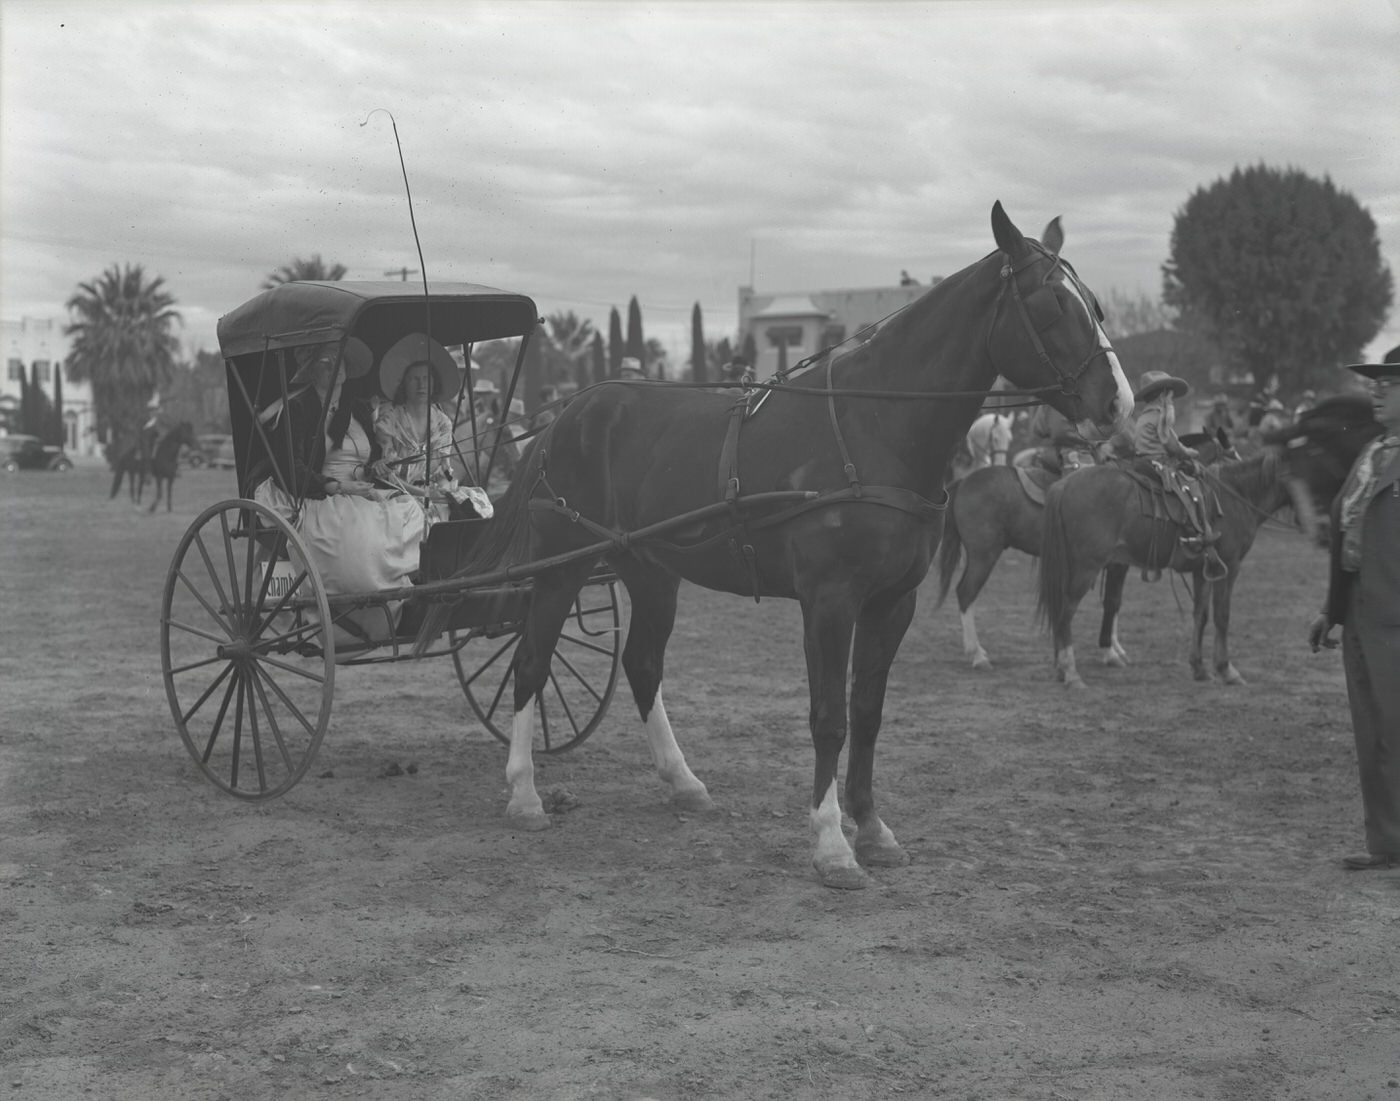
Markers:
<point>362,538</point>
<point>412,432</point>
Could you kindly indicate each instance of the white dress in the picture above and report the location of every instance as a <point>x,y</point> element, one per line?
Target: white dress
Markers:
<point>359,544</point>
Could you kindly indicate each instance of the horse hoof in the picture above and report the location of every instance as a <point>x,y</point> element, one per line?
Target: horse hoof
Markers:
<point>1199,673</point>
<point>844,878</point>
<point>881,856</point>
<point>693,802</point>
<point>1232,676</point>
<point>1076,683</point>
<point>982,663</point>
<point>1114,660</point>
<point>530,823</point>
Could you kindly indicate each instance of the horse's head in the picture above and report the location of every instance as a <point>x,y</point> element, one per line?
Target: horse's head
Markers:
<point>1048,331</point>
<point>1321,447</point>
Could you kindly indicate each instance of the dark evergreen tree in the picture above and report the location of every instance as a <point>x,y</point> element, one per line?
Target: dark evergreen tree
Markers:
<point>636,342</point>
<point>616,349</point>
<point>57,434</point>
<point>698,367</point>
<point>1281,271</point>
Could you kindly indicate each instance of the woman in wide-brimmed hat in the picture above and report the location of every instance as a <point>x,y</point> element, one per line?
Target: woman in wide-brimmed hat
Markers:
<point>415,374</point>
<point>1153,437</point>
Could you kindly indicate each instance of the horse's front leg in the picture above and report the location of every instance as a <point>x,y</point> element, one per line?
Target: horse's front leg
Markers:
<point>879,632</point>
<point>1110,648</point>
<point>652,592</point>
<point>1200,615</point>
<point>550,602</point>
<point>828,621</point>
<point>1224,589</point>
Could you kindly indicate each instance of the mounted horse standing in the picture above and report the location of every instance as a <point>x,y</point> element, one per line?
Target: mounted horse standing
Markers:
<point>833,503</point>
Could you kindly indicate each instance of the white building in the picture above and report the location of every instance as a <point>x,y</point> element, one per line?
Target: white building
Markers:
<point>38,346</point>
<point>808,321</point>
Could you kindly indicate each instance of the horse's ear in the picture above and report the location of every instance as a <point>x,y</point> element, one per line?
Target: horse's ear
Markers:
<point>1054,236</point>
<point>1009,239</point>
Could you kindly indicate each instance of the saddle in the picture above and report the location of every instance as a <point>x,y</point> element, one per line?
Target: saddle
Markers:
<point>1035,480</point>
<point>1167,494</point>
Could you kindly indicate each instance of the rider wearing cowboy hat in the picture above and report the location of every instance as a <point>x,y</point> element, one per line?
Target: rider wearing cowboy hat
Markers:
<point>1152,436</point>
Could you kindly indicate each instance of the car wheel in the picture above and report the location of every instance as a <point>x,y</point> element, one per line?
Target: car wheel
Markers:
<point>62,465</point>
<point>196,461</point>
<point>10,466</point>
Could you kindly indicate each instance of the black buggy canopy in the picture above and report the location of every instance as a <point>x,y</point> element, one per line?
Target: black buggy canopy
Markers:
<point>379,313</point>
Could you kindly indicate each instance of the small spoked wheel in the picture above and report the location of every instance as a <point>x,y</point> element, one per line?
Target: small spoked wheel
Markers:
<point>582,673</point>
<point>249,664</point>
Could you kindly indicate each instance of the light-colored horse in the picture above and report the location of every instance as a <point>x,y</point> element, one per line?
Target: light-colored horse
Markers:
<point>989,439</point>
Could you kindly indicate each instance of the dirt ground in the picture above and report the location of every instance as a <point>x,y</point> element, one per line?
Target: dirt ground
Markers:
<point>1129,892</point>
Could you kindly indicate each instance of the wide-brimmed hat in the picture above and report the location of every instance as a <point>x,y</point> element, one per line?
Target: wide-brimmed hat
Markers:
<point>1153,383</point>
<point>1389,367</point>
<point>408,352</point>
<point>631,365</point>
<point>311,358</point>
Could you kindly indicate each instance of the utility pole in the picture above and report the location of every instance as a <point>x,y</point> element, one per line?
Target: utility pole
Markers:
<point>403,273</point>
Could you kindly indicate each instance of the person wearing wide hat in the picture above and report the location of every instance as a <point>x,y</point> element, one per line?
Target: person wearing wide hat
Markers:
<point>1152,436</point>
<point>1363,598</point>
<point>416,374</point>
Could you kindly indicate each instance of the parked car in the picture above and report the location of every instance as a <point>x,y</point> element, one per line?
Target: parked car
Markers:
<point>31,453</point>
<point>217,451</point>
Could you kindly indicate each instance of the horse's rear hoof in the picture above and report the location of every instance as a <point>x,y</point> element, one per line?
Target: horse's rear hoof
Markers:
<point>530,823</point>
<point>844,878</point>
<point>693,802</point>
<point>881,856</point>
<point>982,663</point>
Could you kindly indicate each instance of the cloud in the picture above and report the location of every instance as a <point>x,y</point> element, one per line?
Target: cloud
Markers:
<point>588,152</point>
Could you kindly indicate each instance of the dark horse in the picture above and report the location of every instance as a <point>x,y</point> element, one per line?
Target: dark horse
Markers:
<point>855,453</point>
<point>1101,515</point>
<point>131,459</point>
<point>165,461</point>
<point>1323,444</point>
<point>990,510</point>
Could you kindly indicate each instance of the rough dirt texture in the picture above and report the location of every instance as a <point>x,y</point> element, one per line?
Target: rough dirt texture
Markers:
<point>1130,892</point>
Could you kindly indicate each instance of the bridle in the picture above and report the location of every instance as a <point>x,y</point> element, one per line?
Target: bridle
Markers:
<point>1068,381</point>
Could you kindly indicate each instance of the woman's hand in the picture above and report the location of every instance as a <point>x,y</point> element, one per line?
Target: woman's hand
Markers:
<point>358,489</point>
<point>1318,636</point>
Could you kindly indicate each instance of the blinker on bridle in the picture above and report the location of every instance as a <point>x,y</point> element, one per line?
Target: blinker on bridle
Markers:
<point>1069,382</point>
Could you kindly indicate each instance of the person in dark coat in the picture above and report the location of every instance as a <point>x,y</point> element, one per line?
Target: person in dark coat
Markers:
<point>1363,598</point>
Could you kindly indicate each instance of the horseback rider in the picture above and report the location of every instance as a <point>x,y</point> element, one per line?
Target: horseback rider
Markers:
<point>1152,436</point>
<point>1056,443</point>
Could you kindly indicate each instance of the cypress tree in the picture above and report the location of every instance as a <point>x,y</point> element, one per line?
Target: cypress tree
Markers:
<point>636,344</point>
<point>615,349</point>
<point>699,371</point>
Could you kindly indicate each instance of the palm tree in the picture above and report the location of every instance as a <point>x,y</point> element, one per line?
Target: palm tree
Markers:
<point>305,271</point>
<point>573,336</point>
<point>122,342</point>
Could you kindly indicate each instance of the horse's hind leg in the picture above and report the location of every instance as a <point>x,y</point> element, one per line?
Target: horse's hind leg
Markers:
<point>652,593</point>
<point>1081,580</point>
<point>1221,592</point>
<point>879,631</point>
<point>978,568</point>
<point>553,597</point>
<point>1114,575</point>
<point>828,620</point>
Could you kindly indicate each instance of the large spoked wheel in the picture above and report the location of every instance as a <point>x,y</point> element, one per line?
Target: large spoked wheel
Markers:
<point>582,675</point>
<point>249,664</point>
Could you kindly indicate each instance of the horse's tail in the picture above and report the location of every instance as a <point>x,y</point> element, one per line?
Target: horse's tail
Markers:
<point>950,548</point>
<point>1052,597</point>
<point>504,542</point>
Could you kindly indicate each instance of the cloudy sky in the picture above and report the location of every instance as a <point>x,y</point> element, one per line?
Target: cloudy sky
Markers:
<point>587,152</point>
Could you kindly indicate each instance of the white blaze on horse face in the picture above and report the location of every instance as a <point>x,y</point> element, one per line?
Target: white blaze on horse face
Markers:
<point>1124,406</point>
